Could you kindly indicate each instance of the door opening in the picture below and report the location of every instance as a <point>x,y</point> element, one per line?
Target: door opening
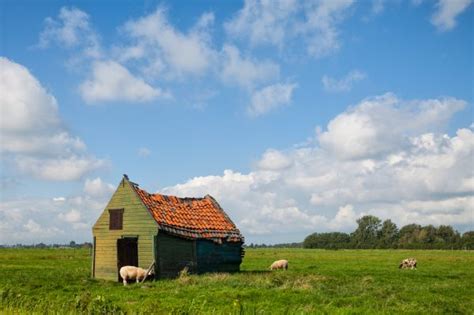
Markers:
<point>127,253</point>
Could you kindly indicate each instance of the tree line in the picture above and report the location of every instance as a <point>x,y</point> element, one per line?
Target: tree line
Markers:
<point>371,232</point>
<point>71,244</point>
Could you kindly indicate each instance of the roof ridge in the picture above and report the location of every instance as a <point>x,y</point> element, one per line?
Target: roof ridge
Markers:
<point>165,195</point>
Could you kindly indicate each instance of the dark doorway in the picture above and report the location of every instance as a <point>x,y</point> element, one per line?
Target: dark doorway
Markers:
<point>127,253</point>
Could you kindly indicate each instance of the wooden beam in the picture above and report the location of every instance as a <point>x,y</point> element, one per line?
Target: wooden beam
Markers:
<point>147,271</point>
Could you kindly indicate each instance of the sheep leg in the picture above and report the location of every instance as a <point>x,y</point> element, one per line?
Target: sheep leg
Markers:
<point>124,281</point>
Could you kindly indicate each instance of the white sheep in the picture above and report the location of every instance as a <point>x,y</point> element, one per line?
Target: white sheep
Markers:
<point>408,263</point>
<point>279,264</point>
<point>133,273</point>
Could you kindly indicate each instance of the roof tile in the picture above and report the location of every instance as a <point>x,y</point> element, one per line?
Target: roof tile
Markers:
<point>190,217</point>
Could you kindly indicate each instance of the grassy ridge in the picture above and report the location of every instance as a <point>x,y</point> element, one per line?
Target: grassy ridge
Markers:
<point>318,281</point>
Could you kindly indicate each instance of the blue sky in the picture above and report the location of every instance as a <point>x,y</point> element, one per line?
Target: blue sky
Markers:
<point>297,116</point>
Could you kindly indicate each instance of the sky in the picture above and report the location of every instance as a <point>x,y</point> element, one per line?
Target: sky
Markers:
<point>297,116</point>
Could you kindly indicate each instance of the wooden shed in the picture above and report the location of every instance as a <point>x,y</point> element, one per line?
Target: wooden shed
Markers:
<point>138,228</point>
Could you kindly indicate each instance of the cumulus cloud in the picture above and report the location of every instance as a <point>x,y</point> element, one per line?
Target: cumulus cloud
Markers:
<point>153,50</point>
<point>165,48</point>
<point>344,218</point>
<point>280,22</point>
<point>263,21</point>
<point>97,188</point>
<point>274,160</point>
<point>269,98</point>
<point>246,72</point>
<point>321,25</point>
<point>33,135</point>
<point>426,178</point>
<point>70,30</point>
<point>72,216</point>
<point>58,169</point>
<point>446,13</point>
<point>344,84</point>
<point>50,220</point>
<point>110,81</point>
<point>384,123</point>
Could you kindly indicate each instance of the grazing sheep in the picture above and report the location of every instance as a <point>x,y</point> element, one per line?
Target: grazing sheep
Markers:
<point>133,273</point>
<point>279,264</point>
<point>408,263</point>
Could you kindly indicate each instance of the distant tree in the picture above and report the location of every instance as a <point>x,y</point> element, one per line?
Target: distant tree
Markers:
<point>367,232</point>
<point>409,235</point>
<point>448,236</point>
<point>334,240</point>
<point>388,237</point>
<point>467,240</point>
<point>72,244</point>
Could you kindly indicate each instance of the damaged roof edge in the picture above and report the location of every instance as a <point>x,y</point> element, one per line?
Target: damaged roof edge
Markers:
<point>216,224</point>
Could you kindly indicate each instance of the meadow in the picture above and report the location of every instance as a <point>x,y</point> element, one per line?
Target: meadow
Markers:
<point>318,281</point>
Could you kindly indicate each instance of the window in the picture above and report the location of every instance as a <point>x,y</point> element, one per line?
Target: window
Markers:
<point>115,219</point>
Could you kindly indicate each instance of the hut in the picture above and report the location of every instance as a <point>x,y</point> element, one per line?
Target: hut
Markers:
<point>138,228</point>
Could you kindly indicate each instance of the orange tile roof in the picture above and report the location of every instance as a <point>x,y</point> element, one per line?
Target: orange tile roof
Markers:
<point>190,217</point>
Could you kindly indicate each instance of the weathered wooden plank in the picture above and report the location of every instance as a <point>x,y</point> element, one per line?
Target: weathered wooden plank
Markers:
<point>212,257</point>
<point>174,254</point>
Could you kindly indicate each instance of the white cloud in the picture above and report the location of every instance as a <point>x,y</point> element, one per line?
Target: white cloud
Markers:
<point>446,13</point>
<point>111,81</point>
<point>381,124</point>
<point>58,169</point>
<point>45,142</point>
<point>33,135</point>
<point>167,49</point>
<point>97,188</point>
<point>281,22</point>
<point>246,72</point>
<point>426,178</point>
<point>344,84</point>
<point>52,220</point>
<point>144,152</point>
<point>263,21</point>
<point>345,218</point>
<point>72,216</point>
<point>157,51</point>
<point>38,231</point>
<point>274,160</point>
<point>71,30</point>
<point>320,27</point>
<point>32,226</point>
<point>270,98</point>
<point>25,103</point>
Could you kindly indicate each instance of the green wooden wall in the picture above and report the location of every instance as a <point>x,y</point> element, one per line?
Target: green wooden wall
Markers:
<point>212,257</point>
<point>137,221</point>
<point>173,255</point>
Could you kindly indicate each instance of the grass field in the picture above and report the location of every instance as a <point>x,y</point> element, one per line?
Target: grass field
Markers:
<point>318,281</point>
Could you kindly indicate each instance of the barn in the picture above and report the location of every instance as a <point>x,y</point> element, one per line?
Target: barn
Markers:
<point>138,228</point>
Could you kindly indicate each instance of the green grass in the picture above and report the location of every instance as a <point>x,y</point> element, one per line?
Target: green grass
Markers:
<point>318,281</point>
